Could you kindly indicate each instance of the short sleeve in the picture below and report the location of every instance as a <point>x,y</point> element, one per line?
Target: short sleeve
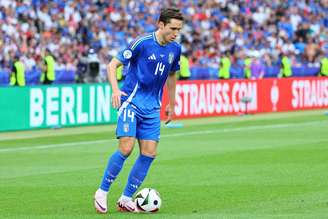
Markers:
<point>130,53</point>
<point>176,63</point>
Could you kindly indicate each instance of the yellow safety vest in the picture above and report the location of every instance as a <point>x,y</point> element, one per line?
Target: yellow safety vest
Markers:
<point>224,71</point>
<point>18,77</point>
<point>286,67</point>
<point>247,68</point>
<point>119,73</point>
<point>50,74</point>
<point>324,66</point>
<point>184,67</point>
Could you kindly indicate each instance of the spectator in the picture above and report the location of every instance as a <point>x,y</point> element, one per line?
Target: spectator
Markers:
<point>119,73</point>
<point>225,64</point>
<point>17,76</point>
<point>257,68</point>
<point>286,67</point>
<point>324,66</point>
<point>69,28</point>
<point>247,67</point>
<point>48,68</point>
<point>184,68</point>
<point>311,51</point>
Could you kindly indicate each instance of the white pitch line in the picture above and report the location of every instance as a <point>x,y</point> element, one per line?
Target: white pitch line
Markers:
<point>248,128</point>
<point>220,130</point>
<point>71,144</point>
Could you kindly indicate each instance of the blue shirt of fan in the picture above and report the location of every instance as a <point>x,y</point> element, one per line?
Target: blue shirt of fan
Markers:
<point>148,66</point>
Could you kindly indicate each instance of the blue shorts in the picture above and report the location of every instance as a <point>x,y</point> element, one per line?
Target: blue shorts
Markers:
<point>130,123</point>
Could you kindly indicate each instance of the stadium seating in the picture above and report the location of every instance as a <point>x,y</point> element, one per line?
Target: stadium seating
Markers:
<point>32,77</point>
<point>237,72</point>
<point>261,29</point>
<point>65,77</point>
<point>4,78</point>
<point>197,73</point>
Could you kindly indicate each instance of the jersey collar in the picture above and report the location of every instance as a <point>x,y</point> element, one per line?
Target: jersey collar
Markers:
<point>155,39</point>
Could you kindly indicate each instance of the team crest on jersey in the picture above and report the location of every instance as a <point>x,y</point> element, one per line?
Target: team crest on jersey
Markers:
<point>171,57</point>
<point>126,127</point>
<point>127,54</point>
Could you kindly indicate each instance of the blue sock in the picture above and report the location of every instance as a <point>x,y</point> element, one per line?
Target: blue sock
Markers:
<point>137,174</point>
<point>114,166</point>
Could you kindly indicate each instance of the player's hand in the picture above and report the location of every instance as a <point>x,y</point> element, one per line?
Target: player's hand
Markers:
<point>116,98</point>
<point>169,113</point>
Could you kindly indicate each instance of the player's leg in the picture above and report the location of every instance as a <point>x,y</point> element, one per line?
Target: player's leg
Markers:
<point>126,132</point>
<point>141,166</point>
<point>116,161</point>
<point>148,133</point>
<point>137,174</point>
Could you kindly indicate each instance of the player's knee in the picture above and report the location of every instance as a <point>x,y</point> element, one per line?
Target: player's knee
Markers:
<point>149,153</point>
<point>126,145</point>
<point>126,150</point>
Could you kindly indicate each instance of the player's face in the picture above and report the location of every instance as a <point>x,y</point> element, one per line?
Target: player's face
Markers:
<point>171,30</point>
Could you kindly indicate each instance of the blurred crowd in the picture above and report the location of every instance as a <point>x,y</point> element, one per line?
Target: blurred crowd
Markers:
<point>263,29</point>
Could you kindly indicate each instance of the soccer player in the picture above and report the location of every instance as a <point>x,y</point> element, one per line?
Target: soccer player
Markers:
<point>152,60</point>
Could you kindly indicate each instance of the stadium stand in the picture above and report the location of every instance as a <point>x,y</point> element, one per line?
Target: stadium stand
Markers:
<point>263,30</point>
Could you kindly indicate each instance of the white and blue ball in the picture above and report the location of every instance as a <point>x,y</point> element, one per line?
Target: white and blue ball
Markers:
<point>148,200</point>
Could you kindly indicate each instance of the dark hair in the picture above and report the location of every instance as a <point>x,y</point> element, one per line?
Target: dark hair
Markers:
<point>170,13</point>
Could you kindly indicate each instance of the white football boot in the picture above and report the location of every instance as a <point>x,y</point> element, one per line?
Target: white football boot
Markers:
<point>126,204</point>
<point>100,201</point>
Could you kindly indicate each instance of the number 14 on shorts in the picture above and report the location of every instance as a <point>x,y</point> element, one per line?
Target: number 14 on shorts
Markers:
<point>128,114</point>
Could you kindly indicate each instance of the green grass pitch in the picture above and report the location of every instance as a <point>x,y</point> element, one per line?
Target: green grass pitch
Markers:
<point>256,166</point>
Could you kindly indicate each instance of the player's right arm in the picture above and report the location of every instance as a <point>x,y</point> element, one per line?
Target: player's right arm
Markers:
<point>111,73</point>
<point>123,58</point>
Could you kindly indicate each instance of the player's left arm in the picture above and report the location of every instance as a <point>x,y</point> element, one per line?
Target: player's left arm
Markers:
<point>171,84</point>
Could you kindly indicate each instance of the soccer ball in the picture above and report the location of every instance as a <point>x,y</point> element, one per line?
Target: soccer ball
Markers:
<point>148,200</point>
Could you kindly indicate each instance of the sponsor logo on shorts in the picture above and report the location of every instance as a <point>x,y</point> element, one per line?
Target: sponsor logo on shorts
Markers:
<point>126,127</point>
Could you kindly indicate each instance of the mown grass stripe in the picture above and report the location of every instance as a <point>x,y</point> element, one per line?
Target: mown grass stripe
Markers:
<point>180,134</point>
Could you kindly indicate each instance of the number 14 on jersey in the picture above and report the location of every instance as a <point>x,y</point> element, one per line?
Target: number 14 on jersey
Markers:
<point>159,68</point>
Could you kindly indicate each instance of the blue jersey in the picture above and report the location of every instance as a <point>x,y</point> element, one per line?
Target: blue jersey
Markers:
<point>149,65</point>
